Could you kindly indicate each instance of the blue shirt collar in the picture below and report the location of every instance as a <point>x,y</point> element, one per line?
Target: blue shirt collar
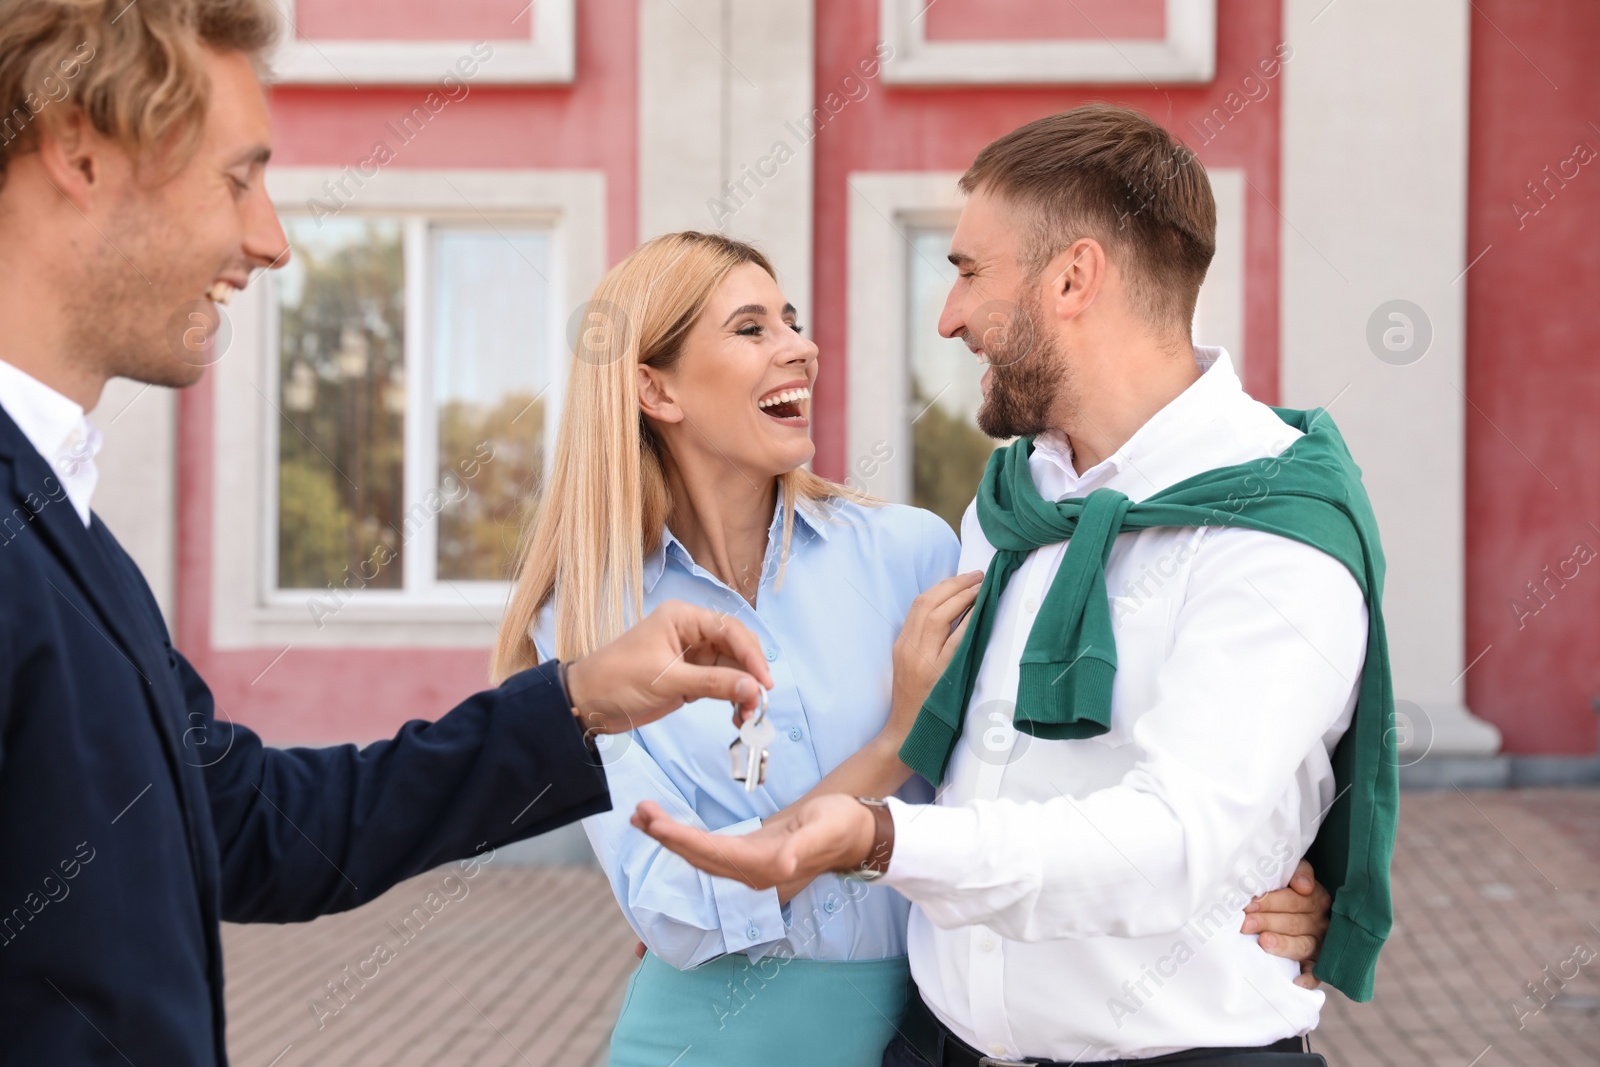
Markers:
<point>804,520</point>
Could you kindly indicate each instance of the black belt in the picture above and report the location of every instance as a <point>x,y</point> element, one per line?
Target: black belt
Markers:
<point>941,1048</point>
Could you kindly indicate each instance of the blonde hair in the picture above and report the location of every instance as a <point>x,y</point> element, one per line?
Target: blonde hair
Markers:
<point>136,71</point>
<point>607,498</point>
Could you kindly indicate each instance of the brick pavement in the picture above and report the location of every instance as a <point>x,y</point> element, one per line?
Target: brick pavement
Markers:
<point>517,966</point>
<point>526,967</point>
<point>1493,890</point>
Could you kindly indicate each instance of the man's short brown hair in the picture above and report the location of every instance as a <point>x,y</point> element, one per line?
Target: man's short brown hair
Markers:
<point>1112,174</point>
<point>135,69</point>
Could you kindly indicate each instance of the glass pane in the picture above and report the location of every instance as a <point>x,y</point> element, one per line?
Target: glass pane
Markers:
<point>948,451</point>
<point>342,405</point>
<point>492,364</point>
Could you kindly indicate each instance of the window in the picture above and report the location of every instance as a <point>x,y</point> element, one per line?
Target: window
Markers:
<point>414,362</point>
<point>395,384</point>
<point>336,42</point>
<point>948,451</point>
<point>491,374</point>
<point>1023,42</point>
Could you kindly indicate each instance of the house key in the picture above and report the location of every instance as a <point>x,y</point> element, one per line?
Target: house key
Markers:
<point>747,756</point>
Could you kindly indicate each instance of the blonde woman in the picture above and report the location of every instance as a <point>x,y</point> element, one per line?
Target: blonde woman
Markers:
<point>679,474</point>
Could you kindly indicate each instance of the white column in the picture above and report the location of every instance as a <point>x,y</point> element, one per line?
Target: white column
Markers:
<point>1374,211</point>
<point>136,495</point>
<point>725,89</point>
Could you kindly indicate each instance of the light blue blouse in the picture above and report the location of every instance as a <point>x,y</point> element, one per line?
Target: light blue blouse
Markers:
<point>828,633</point>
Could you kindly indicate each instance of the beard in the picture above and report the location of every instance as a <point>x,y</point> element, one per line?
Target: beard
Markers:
<point>1028,377</point>
<point>134,288</point>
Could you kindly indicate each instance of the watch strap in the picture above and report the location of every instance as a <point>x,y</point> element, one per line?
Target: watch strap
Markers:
<point>877,861</point>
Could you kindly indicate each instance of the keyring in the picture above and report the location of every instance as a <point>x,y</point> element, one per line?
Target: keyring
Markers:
<point>761,710</point>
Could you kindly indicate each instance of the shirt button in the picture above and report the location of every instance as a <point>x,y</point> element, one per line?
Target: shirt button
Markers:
<point>772,655</point>
<point>753,932</point>
<point>830,906</point>
<point>988,942</point>
<point>1031,604</point>
<point>794,733</point>
<point>997,1050</point>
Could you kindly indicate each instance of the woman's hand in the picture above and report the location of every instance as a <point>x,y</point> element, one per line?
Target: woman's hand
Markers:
<point>1292,922</point>
<point>925,646</point>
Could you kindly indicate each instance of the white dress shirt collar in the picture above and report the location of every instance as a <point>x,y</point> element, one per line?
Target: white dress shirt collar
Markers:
<point>58,431</point>
<point>1159,453</point>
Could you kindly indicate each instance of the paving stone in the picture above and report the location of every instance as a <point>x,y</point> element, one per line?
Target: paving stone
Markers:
<point>482,981</point>
<point>1490,888</point>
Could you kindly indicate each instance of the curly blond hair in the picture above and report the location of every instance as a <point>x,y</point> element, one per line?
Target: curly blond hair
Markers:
<point>134,69</point>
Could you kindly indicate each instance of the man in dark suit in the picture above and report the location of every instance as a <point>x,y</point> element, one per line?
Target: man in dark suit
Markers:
<point>132,144</point>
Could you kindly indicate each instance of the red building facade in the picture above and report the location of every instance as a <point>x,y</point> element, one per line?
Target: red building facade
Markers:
<point>455,179</point>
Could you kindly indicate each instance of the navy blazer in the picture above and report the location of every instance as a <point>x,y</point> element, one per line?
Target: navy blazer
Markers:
<point>133,819</point>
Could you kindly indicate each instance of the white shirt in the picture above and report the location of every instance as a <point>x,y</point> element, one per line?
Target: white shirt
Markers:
<point>1082,899</point>
<point>57,429</point>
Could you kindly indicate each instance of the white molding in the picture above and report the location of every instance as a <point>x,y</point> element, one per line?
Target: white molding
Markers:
<point>245,613</point>
<point>421,429</point>
<point>721,82</point>
<point>546,55</point>
<point>459,192</point>
<point>1187,54</point>
<point>883,206</point>
<point>1376,211</point>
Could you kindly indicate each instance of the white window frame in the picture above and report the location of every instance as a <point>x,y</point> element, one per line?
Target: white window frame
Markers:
<point>546,55</point>
<point>884,206</point>
<point>1186,55</point>
<point>247,608</point>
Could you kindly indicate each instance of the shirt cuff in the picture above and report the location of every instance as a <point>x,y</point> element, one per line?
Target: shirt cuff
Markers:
<point>748,916</point>
<point>933,846</point>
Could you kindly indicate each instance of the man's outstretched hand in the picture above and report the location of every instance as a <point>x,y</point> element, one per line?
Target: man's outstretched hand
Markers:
<point>675,654</point>
<point>820,834</point>
<point>834,832</point>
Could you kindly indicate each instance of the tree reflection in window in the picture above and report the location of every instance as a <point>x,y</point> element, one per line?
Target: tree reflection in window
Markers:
<point>948,451</point>
<point>491,367</point>
<point>341,405</point>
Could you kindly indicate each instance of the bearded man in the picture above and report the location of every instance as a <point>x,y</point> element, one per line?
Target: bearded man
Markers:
<point>1179,634</point>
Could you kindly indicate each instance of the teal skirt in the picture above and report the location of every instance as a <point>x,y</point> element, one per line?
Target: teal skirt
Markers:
<point>775,1012</point>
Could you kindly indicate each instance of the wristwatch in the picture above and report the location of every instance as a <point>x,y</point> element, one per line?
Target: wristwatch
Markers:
<point>877,861</point>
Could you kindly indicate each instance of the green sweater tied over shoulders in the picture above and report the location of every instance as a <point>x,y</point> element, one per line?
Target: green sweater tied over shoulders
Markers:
<point>1311,493</point>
